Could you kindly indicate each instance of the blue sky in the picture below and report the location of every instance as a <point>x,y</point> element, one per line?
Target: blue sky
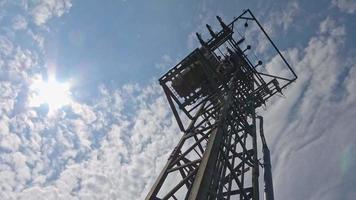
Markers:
<point>111,139</point>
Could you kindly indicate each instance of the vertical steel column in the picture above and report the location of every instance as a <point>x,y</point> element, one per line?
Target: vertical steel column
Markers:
<point>267,171</point>
<point>255,170</point>
<point>202,183</point>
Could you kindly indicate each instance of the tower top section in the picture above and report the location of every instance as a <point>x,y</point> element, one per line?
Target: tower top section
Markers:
<point>240,49</point>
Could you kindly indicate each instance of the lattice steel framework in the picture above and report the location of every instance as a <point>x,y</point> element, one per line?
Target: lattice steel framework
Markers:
<point>214,93</point>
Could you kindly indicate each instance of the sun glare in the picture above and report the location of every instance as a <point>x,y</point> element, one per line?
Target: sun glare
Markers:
<point>50,92</point>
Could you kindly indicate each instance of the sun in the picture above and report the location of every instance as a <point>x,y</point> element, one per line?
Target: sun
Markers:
<point>51,92</point>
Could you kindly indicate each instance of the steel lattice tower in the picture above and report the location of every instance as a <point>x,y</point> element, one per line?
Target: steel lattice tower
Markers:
<point>214,93</point>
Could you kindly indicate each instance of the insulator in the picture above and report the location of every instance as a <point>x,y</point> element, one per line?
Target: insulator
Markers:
<point>210,31</point>
<point>202,42</point>
<point>222,23</point>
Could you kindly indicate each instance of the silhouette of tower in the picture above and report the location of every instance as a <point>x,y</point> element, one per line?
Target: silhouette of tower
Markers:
<point>214,94</point>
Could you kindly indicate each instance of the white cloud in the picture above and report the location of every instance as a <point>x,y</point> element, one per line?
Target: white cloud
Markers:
<point>43,10</point>
<point>282,19</point>
<point>126,160</point>
<point>329,26</point>
<point>276,21</point>
<point>347,6</point>
<point>6,46</point>
<point>309,132</point>
<point>8,96</point>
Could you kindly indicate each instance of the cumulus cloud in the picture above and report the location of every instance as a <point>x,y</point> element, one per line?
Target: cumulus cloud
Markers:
<point>130,150</point>
<point>44,10</point>
<point>329,26</point>
<point>65,156</point>
<point>347,6</point>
